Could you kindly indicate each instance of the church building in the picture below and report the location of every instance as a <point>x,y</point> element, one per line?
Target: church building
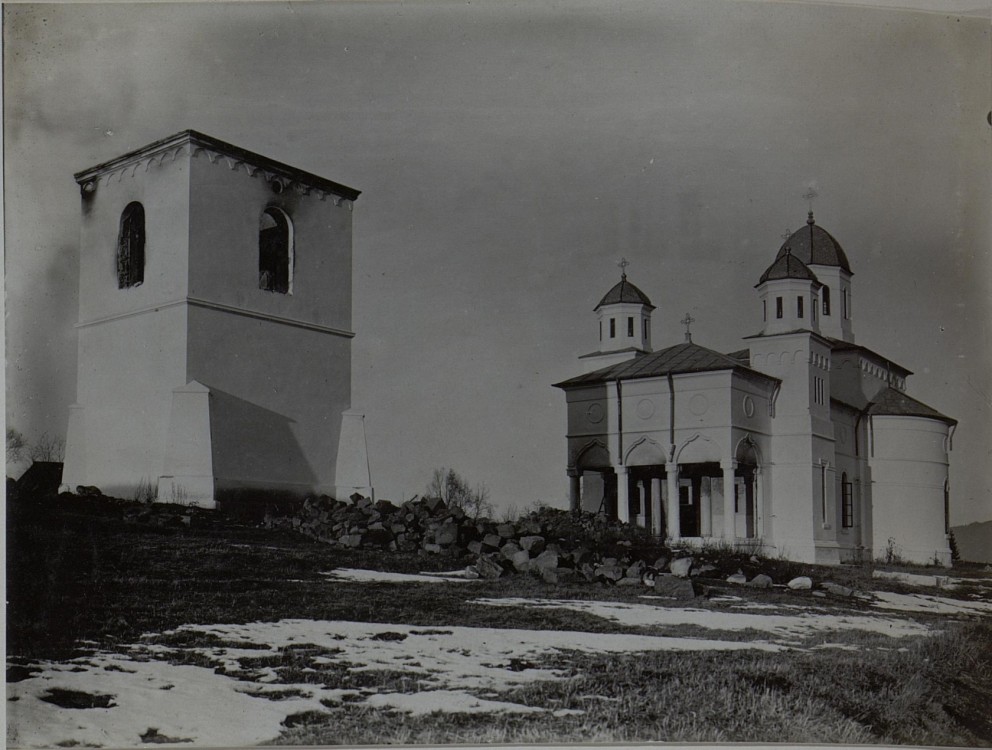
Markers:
<point>214,329</point>
<point>803,444</point>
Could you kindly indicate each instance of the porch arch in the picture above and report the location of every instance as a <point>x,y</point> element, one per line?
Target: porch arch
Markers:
<point>747,452</point>
<point>594,455</point>
<point>697,450</point>
<point>645,452</point>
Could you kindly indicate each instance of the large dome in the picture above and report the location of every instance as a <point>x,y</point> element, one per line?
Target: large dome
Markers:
<point>814,245</point>
<point>622,292</point>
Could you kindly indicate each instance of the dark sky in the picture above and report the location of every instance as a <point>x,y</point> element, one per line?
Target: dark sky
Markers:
<point>509,155</point>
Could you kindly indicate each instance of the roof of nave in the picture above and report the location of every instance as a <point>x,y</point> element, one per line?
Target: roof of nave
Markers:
<point>838,345</point>
<point>814,245</point>
<point>676,360</point>
<point>624,291</point>
<point>891,402</point>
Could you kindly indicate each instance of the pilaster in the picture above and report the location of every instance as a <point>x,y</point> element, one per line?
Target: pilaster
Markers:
<point>729,492</point>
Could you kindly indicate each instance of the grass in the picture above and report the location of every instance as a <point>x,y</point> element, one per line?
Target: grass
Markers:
<point>916,696</point>
<point>80,578</point>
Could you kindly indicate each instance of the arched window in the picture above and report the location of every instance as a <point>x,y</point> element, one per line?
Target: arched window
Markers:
<point>131,247</point>
<point>826,300</point>
<point>275,252</point>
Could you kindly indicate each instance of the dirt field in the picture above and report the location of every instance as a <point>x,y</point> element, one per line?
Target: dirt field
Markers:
<point>212,633</point>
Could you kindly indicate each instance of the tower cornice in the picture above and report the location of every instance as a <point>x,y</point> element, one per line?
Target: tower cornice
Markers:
<point>197,144</point>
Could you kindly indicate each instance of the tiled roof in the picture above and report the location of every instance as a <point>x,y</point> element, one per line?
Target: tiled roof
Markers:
<point>787,266</point>
<point>624,291</point>
<point>741,355</point>
<point>681,358</point>
<point>814,245</point>
<point>891,402</point>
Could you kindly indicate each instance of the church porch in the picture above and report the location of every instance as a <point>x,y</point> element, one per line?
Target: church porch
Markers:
<point>682,502</point>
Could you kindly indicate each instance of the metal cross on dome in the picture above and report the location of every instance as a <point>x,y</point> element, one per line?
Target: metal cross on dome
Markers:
<point>687,321</point>
<point>785,236</point>
<point>623,266</point>
<point>809,195</point>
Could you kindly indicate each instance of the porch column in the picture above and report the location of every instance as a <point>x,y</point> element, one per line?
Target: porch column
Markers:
<point>657,519</point>
<point>623,494</point>
<point>674,530</point>
<point>759,528</point>
<point>728,467</point>
<point>574,489</point>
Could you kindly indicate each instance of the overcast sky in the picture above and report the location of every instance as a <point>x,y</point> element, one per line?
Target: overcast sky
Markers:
<point>509,155</point>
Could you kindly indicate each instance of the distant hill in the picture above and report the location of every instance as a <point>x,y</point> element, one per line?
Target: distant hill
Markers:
<point>974,541</point>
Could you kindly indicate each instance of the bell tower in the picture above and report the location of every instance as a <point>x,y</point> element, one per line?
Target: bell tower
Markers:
<point>214,329</point>
<point>623,318</point>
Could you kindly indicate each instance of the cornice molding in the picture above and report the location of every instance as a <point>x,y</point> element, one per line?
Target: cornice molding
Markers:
<point>195,302</point>
<point>189,142</point>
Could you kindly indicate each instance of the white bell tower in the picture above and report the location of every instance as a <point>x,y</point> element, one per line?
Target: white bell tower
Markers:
<point>624,324</point>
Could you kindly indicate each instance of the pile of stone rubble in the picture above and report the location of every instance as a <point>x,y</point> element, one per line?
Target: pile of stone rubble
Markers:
<point>556,545</point>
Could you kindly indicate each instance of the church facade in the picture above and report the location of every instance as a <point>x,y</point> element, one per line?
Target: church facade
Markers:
<point>214,331</point>
<point>803,444</point>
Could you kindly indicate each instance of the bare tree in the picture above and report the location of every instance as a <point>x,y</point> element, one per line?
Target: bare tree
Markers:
<point>16,446</point>
<point>456,492</point>
<point>48,448</point>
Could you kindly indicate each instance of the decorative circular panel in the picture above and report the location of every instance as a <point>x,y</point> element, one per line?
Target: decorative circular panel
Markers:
<point>748,406</point>
<point>645,408</point>
<point>594,413</point>
<point>698,404</point>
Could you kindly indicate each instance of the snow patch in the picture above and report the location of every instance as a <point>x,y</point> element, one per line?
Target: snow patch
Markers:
<point>930,604</point>
<point>444,666</point>
<point>916,579</point>
<point>785,627</point>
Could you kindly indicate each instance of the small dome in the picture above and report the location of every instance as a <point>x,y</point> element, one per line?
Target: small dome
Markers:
<point>814,246</point>
<point>787,266</point>
<point>622,292</point>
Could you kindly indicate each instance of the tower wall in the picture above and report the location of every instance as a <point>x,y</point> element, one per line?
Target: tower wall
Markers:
<point>278,365</point>
<point>161,185</point>
<point>127,369</point>
<point>621,314</point>
<point>789,291</point>
<point>226,206</point>
<point>276,398</point>
<point>131,341</point>
<point>836,324</point>
<point>801,443</point>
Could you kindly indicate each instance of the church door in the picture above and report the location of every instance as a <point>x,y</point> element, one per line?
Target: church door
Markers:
<point>688,508</point>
